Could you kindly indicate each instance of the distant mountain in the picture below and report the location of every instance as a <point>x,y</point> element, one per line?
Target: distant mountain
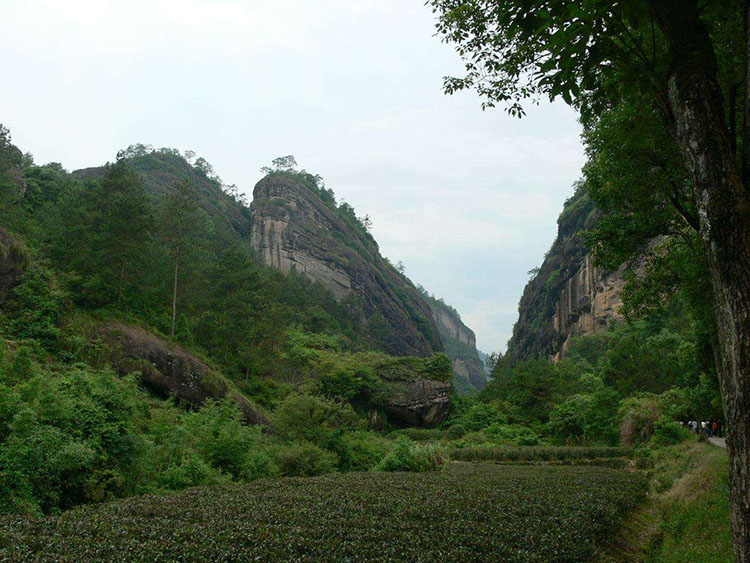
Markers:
<point>297,225</point>
<point>459,342</point>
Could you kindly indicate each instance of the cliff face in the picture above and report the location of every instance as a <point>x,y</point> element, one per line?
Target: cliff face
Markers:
<point>569,296</point>
<point>294,228</point>
<point>460,344</point>
<point>589,301</point>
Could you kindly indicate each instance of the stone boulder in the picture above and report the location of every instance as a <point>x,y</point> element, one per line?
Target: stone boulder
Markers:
<point>168,370</point>
<point>423,402</point>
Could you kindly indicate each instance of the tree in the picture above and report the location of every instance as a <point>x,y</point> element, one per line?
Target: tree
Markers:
<point>181,220</point>
<point>281,164</point>
<point>682,55</point>
<point>127,219</point>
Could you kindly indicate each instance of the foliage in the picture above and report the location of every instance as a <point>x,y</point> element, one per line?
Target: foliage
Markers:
<point>693,502</point>
<point>304,460</point>
<point>312,419</point>
<point>408,456</point>
<point>513,513</point>
<point>668,432</point>
<point>538,453</point>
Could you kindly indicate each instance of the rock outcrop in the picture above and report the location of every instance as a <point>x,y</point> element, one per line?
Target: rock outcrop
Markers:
<point>419,403</point>
<point>569,296</point>
<point>294,228</point>
<point>170,371</point>
<point>13,260</point>
<point>459,342</point>
<point>588,303</point>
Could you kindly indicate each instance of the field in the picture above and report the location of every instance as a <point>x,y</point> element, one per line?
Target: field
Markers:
<point>465,512</point>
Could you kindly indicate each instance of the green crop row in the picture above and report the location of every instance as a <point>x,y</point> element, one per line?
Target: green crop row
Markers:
<point>467,512</point>
<point>537,453</point>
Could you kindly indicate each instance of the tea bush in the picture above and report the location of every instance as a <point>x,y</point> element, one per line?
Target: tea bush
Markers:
<point>540,453</point>
<point>467,512</point>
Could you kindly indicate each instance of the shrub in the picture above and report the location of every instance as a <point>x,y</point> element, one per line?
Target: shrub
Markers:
<point>455,431</point>
<point>668,432</point>
<point>305,418</point>
<point>191,471</point>
<point>482,415</point>
<point>512,434</point>
<point>408,456</point>
<point>638,415</point>
<point>366,450</point>
<point>304,460</point>
<point>421,434</point>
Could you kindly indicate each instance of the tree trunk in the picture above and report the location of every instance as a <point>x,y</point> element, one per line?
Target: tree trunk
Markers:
<point>122,279</point>
<point>746,105</point>
<point>174,292</point>
<point>724,211</point>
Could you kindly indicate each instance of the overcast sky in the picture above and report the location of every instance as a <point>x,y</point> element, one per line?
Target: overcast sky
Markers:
<point>352,88</point>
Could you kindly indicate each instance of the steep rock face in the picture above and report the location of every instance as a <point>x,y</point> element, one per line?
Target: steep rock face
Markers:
<point>460,344</point>
<point>13,260</point>
<point>569,296</point>
<point>293,228</point>
<point>589,301</point>
<point>170,371</point>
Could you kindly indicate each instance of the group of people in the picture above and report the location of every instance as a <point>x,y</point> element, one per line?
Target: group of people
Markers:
<point>709,428</point>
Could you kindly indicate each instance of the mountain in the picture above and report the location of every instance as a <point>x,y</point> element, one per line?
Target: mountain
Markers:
<point>569,295</point>
<point>162,168</point>
<point>459,343</point>
<point>297,225</point>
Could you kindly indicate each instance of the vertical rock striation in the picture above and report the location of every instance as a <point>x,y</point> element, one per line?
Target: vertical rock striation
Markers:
<point>460,344</point>
<point>568,296</point>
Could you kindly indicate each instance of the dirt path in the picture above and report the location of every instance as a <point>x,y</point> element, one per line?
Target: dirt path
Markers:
<point>721,442</point>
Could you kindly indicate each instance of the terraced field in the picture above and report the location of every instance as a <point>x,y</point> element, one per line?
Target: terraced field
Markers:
<point>466,512</point>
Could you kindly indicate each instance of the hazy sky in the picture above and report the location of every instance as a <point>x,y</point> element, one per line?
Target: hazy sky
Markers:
<point>352,88</point>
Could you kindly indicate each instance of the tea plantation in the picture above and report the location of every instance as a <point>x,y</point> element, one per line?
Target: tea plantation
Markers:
<point>466,512</point>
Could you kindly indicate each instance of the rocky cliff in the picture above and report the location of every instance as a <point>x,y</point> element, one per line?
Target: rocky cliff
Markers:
<point>296,225</point>
<point>568,296</point>
<point>459,343</point>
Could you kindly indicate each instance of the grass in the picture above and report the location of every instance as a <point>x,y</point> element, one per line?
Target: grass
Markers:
<point>686,517</point>
<point>694,509</point>
<point>465,512</point>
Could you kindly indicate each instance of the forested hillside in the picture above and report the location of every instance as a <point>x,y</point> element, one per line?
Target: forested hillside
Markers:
<point>143,344</point>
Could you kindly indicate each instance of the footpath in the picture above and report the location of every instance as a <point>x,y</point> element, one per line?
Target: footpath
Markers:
<point>721,442</point>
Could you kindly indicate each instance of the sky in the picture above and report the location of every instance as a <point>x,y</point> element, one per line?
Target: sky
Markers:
<point>466,199</point>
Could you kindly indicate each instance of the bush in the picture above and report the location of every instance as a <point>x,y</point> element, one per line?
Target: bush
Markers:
<point>482,415</point>
<point>512,434</point>
<point>455,431</point>
<point>408,456</point>
<point>366,450</point>
<point>305,418</point>
<point>637,416</point>
<point>668,432</point>
<point>304,460</point>
<point>421,434</point>
<point>208,446</point>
